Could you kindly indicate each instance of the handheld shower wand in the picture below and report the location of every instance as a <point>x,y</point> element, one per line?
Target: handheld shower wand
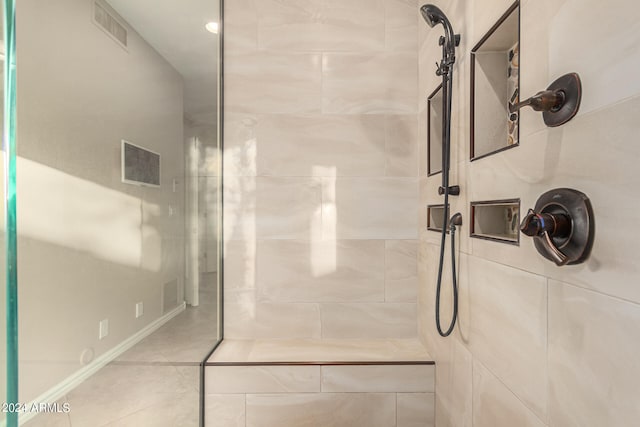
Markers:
<point>433,16</point>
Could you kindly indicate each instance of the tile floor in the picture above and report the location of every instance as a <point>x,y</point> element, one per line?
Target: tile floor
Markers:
<point>155,383</point>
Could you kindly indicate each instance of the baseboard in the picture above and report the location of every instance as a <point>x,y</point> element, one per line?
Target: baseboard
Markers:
<point>68,384</point>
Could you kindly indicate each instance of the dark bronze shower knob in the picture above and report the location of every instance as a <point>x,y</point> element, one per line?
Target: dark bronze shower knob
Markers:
<point>562,226</point>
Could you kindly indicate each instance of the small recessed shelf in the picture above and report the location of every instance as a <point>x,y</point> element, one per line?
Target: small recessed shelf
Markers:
<point>495,83</point>
<point>496,220</point>
<point>435,216</point>
<point>434,132</point>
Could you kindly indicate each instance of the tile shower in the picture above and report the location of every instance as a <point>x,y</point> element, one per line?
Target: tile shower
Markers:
<point>330,256</point>
<point>321,215</point>
<point>327,186</point>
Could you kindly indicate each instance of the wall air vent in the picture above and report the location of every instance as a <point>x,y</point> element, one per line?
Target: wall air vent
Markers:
<point>109,24</point>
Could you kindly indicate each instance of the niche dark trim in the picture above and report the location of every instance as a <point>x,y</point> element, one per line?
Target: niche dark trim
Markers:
<point>429,98</point>
<point>478,45</point>
<point>328,363</point>
<point>472,215</point>
<point>430,226</point>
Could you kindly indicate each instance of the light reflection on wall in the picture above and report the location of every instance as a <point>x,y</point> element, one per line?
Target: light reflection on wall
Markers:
<point>70,212</point>
<point>240,234</point>
<point>323,259</point>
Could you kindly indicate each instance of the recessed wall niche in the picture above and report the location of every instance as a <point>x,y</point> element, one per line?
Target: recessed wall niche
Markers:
<point>495,84</point>
<point>434,132</point>
<point>496,220</point>
<point>435,217</point>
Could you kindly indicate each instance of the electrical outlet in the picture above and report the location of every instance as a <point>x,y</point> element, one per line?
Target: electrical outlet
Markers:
<point>139,309</point>
<point>104,329</point>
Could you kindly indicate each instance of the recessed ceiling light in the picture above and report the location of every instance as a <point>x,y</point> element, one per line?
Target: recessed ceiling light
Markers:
<point>212,27</point>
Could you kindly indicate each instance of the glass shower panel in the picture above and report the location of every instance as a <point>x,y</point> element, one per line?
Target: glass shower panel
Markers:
<point>118,209</point>
<point>8,250</point>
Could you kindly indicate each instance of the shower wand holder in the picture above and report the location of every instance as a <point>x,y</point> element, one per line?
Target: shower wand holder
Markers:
<point>454,190</point>
<point>559,103</point>
<point>562,226</point>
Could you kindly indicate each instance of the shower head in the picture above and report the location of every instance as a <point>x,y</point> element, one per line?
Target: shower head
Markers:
<point>433,15</point>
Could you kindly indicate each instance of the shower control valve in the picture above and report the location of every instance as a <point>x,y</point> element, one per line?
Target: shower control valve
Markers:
<point>562,226</point>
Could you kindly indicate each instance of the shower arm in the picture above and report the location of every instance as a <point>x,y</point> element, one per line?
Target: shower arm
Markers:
<point>546,100</point>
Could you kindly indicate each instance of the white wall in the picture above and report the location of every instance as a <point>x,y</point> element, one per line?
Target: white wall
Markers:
<point>90,246</point>
<point>536,344</point>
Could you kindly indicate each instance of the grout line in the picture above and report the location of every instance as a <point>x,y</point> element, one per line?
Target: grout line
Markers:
<point>396,409</point>
<point>473,359</point>
<point>548,385</point>
<point>522,402</point>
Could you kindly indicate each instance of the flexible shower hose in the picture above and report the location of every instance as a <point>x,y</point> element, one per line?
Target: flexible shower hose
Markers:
<point>447,87</point>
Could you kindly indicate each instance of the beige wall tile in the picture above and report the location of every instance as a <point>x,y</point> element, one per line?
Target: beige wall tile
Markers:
<point>249,319</point>
<point>321,145</point>
<point>321,409</point>
<point>225,410</point>
<point>415,410</point>
<point>401,25</point>
<point>240,26</point>
<point>593,364</point>
<point>262,379</point>
<point>508,328</point>
<point>287,208</point>
<point>239,208</point>
<point>356,83</point>
<point>495,405</point>
<point>380,378</point>
<point>368,320</point>
<point>329,350</point>
<point>321,270</point>
<point>401,142</point>
<point>315,25</point>
<point>454,392</point>
<point>240,144</point>
<point>272,82</point>
<point>401,270</point>
<point>240,267</point>
<point>373,208</point>
<point>588,27</point>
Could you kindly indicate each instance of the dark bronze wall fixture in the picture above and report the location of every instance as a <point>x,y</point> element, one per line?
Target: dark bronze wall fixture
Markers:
<point>562,226</point>
<point>559,103</point>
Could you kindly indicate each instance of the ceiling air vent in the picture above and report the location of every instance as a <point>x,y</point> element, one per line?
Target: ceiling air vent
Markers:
<point>108,23</point>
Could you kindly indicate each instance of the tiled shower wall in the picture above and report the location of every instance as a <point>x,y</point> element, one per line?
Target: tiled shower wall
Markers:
<point>321,169</point>
<point>540,345</point>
